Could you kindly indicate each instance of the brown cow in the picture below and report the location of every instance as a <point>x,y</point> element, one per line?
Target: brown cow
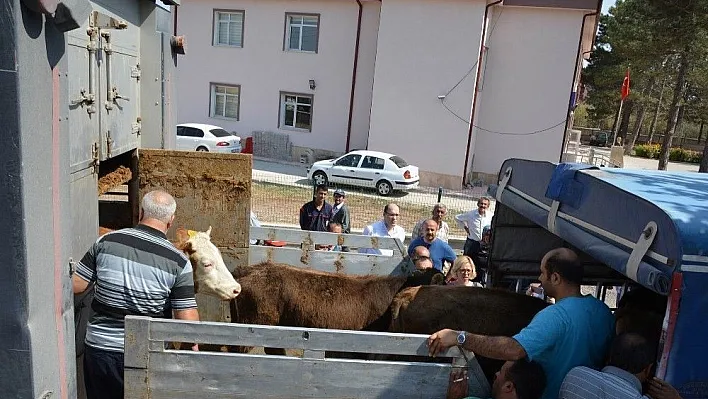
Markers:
<point>282,295</point>
<point>425,310</point>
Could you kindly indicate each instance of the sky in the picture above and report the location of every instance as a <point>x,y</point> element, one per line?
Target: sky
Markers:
<point>606,4</point>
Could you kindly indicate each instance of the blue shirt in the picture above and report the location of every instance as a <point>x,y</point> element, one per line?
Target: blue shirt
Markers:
<point>576,331</point>
<point>439,251</point>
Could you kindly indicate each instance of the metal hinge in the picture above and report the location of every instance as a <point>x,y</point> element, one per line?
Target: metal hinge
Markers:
<point>103,21</point>
<point>94,155</point>
<point>72,267</point>
<point>135,72</point>
<point>109,143</point>
<point>136,126</point>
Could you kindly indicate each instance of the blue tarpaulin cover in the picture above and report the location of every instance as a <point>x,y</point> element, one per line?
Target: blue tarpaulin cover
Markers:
<point>610,209</point>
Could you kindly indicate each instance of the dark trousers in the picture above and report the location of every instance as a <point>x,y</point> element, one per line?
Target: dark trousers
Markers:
<point>472,249</point>
<point>103,374</point>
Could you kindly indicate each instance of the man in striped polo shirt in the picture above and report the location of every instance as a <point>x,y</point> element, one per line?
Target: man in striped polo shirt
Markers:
<point>137,271</point>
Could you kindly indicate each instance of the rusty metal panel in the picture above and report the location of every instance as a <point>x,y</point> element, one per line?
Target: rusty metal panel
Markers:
<point>210,190</point>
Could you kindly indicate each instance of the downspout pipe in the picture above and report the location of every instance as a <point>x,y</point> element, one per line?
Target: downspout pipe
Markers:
<point>354,68</point>
<point>579,59</point>
<point>476,87</point>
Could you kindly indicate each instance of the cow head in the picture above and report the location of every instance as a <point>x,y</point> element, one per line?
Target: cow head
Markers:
<point>211,276</point>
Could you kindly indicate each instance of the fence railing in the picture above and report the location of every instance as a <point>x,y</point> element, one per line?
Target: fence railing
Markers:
<point>278,197</point>
<point>154,372</point>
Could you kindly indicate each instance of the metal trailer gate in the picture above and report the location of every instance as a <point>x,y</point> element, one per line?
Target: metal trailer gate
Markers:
<point>69,103</point>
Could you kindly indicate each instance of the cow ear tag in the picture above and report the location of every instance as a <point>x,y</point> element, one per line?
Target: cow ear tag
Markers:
<point>192,233</point>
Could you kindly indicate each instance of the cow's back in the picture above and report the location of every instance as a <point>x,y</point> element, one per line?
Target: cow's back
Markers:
<point>427,309</point>
<point>277,294</point>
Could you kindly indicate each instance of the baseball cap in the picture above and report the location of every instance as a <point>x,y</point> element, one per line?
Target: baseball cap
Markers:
<point>339,192</point>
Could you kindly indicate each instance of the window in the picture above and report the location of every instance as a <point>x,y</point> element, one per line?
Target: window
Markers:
<point>228,28</point>
<point>373,162</point>
<point>219,133</point>
<point>302,32</point>
<point>225,101</point>
<point>400,162</point>
<point>184,131</point>
<point>296,111</point>
<point>351,160</point>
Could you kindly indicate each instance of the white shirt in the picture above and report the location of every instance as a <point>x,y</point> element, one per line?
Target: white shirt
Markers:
<point>379,229</point>
<point>474,222</point>
<point>336,208</point>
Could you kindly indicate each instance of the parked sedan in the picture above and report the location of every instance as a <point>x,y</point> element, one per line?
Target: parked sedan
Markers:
<point>382,171</point>
<point>201,137</point>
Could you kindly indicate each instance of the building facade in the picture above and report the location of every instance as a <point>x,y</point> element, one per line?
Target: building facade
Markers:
<point>313,79</point>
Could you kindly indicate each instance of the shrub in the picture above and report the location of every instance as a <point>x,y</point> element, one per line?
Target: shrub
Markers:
<point>681,155</point>
<point>650,151</point>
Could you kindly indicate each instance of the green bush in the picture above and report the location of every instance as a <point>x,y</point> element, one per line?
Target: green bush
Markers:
<point>650,151</point>
<point>681,155</point>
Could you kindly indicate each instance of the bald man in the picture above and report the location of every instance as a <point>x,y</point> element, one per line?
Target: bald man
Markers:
<point>421,258</point>
<point>576,331</point>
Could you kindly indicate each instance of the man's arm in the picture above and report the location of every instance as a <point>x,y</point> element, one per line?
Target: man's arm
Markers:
<point>450,255</point>
<point>501,348</point>
<point>79,284</point>
<point>462,220</point>
<point>345,219</point>
<point>303,218</point>
<point>85,271</point>
<point>187,314</point>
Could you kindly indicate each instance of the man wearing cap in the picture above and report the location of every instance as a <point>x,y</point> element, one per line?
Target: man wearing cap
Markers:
<point>340,211</point>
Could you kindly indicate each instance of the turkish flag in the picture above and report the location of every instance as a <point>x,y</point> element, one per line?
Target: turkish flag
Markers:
<point>625,86</point>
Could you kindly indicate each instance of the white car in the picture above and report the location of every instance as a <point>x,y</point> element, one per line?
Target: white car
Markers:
<point>201,137</point>
<point>382,171</point>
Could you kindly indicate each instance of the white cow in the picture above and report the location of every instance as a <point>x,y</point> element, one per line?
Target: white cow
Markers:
<point>211,276</point>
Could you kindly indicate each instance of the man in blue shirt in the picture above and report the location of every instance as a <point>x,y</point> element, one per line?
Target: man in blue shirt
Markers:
<point>576,331</point>
<point>316,214</point>
<point>439,250</point>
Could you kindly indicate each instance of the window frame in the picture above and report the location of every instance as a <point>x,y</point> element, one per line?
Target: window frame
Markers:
<point>215,21</point>
<point>212,101</point>
<point>281,111</point>
<point>286,34</point>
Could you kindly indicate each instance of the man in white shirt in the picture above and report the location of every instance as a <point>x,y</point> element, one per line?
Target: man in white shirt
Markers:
<point>474,222</point>
<point>387,227</point>
<point>439,212</point>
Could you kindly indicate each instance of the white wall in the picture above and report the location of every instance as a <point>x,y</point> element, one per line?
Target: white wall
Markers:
<point>425,47</point>
<point>526,85</point>
<point>365,74</point>
<point>263,69</point>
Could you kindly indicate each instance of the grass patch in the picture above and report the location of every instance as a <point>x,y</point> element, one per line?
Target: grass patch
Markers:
<point>276,203</point>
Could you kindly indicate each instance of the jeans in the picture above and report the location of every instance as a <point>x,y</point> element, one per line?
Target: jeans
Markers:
<point>103,374</point>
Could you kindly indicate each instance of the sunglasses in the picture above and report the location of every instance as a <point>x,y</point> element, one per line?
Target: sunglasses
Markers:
<point>417,258</point>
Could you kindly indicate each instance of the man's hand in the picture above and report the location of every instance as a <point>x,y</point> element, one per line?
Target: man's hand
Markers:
<point>195,347</point>
<point>441,340</point>
<point>458,385</point>
<point>660,389</point>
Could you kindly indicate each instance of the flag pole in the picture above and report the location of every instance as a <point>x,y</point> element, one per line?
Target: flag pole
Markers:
<point>617,123</point>
<point>625,94</point>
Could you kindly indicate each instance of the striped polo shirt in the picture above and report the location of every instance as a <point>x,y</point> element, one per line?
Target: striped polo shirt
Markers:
<point>612,382</point>
<point>137,271</point>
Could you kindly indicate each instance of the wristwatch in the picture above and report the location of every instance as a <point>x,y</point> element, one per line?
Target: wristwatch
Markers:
<point>461,338</point>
